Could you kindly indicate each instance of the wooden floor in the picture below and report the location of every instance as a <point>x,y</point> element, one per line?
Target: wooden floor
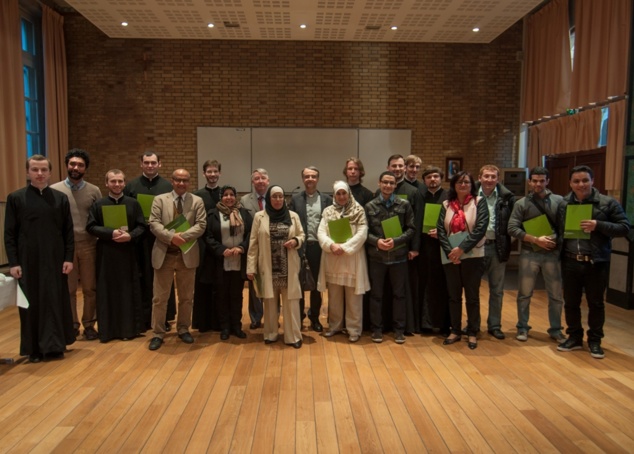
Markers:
<point>329,396</point>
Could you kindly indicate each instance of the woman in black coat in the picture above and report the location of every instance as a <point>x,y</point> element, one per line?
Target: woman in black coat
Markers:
<point>227,237</point>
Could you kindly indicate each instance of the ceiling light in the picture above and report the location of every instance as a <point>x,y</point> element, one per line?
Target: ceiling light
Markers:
<point>303,26</point>
<point>394,27</point>
<point>210,25</point>
<point>124,24</point>
<point>476,29</point>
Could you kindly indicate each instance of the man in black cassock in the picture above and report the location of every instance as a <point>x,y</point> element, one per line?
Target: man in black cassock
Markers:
<point>150,183</point>
<point>119,308</point>
<point>38,236</point>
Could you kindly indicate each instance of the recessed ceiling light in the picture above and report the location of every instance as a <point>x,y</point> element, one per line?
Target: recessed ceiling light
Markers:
<point>124,24</point>
<point>394,27</point>
<point>476,29</point>
<point>210,25</point>
<point>303,26</point>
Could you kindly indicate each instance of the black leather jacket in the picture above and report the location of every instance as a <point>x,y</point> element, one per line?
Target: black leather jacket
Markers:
<point>376,211</point>
<point>503,209</point>
<point>611,222</point>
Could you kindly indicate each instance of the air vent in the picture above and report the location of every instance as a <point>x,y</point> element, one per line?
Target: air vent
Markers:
<point>228,24</point>
<point>373,27</point>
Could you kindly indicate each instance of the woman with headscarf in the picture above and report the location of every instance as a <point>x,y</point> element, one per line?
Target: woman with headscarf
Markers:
<point>344,268</point>
<point>227,237</point>
<point>461,229</point>
<point>273,264</point>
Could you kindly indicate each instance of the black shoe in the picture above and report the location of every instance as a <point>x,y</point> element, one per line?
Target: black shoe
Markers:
<point>269,341</point>
<point>408,333</point>
<point>240,334</point>
<point>497,333</point>
<point>54,355</point>
<point>224,334</point>
<point>168,327</point>
<point>377,336</point>
<point>155,343</point>
<point>453,340</point>
<point>316,326</point>
<point>297,344</point>
<point>595,350</point>
<point>91,334</point>
<point>570,344</point>
<point>186,337</point>
<point>36,358</point>
<point>255,325</point>
<point>473,345</point>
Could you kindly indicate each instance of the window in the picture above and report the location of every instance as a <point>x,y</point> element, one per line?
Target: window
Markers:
<point>33,82</point>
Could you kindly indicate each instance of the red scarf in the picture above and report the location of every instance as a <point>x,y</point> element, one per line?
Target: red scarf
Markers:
<point>459,220</point>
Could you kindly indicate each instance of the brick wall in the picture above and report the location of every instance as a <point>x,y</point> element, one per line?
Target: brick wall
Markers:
<point>126,96</point>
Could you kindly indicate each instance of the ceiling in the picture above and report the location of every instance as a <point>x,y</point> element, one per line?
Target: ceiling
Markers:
<point>446,21</point>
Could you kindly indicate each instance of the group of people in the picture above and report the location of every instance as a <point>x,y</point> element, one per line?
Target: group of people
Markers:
<point>397,259</point>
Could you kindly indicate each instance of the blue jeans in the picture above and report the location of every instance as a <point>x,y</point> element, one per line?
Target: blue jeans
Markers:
<point>494,271</point>
<point>530,265</point>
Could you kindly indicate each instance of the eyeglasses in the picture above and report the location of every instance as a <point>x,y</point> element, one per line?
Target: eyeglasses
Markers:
<point>463,183</point>
<point>389,183</point>
<point>180,180</point>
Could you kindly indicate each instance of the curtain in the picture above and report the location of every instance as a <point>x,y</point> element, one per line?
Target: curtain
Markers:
<point>615,147</point>
<point>55,88</point>
<point>601,50</point>
<point>547,64</point>
<point>12,113</point>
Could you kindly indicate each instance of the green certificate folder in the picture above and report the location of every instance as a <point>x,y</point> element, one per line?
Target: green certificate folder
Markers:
<point>402,196</point>
<point>430,218</point>
<point>392,229</point>
<point>145,200</point>
<point>115,217</point>
<point>537,227</point>
<point>574,215</point>
<point>456,240</point>
<point>340,230</point>
<point>180,225</point>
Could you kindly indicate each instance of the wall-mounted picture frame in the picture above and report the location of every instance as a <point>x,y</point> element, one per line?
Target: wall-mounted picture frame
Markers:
<point>452,167</point>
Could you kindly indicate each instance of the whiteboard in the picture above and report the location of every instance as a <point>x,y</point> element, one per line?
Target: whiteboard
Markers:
<point>284,152</point>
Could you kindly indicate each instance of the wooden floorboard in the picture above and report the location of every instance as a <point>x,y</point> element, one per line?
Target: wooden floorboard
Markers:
<point>330,396</point>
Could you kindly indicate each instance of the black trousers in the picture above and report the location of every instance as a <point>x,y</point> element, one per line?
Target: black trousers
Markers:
<point>467,276</point>
<point>313,255</point>
<point>593,278</point>
<point>398,276</point>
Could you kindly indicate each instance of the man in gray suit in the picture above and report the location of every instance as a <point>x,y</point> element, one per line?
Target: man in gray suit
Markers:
<point>169,260</point>
<point>253,203</point>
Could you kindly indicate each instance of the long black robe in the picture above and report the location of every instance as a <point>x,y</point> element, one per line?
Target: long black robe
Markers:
<point>205,312</point>
<point>119,310</point>
<point>156,186</point>
<point>38,236</point>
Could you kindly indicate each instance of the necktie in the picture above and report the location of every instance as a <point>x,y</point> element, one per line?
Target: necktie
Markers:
<point>179,205</point>
<point>260,198</point>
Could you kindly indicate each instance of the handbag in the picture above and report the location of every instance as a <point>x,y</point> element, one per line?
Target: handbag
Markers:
<point>306,279</point>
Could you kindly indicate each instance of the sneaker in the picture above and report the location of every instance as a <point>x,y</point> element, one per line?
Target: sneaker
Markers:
<point>595,350</point>
<point>558,337</point>
<point>377,336</point>
<point>522,335</point>
<point>399,338</point>
<point>570,344</point>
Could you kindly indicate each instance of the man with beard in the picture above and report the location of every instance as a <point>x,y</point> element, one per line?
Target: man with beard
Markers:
<point>81,195</point>
<point>118,290</point>
<point>205,317</point>
<point>433,285</point>
<point>354,173</point>
<point>152,184</point>
<point>38,237</point>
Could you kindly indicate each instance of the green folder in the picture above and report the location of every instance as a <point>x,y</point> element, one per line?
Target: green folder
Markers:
<point>340,230</point>
<point>537,227</point>
<point>430,218</point>
<point>180,225</point>
<point>574,215</point>
<point>145,200</point>
<point>402,196</point>
<point>392,229</point>
<point>115,217</point>
<point>456,240</point>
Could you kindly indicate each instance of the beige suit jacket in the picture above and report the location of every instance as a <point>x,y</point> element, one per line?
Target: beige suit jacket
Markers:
<point>163,211</point>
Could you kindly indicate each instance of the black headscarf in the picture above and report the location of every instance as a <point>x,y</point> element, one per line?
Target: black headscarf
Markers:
<point>282,215</point>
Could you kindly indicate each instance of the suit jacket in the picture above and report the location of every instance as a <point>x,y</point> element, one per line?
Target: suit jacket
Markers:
<point>163,210</point>
<point>298,205</point>
<point>250,203</point>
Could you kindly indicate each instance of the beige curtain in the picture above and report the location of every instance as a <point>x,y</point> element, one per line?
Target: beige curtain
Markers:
<point>601,50</point>
<point>12,114</point>
<point>547,65</point>
<point>615,146</point>
<point>55,88</point>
